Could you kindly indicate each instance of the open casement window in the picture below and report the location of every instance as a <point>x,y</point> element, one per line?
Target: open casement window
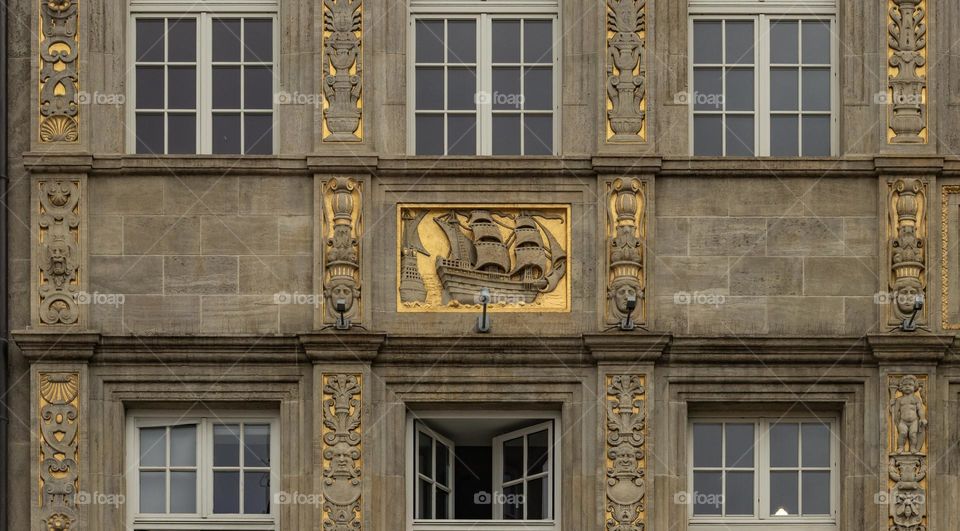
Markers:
<point>202,473</point>
<point>763,474</point>
<point>524,462</point>
<point>434,474</point>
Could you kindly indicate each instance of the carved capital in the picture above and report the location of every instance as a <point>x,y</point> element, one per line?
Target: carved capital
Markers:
<point>342,228</point>
<point>626,249</point>
<point>906,72</point>
<point>58,253</point>
<point>342,452</point>
<point>342,70</point>
<point>626,76</point>
<point>907,237</point>
<point>907,452</point>
<point>59,71</point>
<point>58,435</point>
<point>625,438</point>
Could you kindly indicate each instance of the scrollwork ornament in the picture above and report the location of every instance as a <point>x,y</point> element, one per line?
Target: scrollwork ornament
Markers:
<point>626,84</point>
<point>59,71</point>
<point>59,449</point>
<point>626,461</point>
<point>59,252</point>
<point>342,452</point>
<point>342,69</point>
<point>907,31</point>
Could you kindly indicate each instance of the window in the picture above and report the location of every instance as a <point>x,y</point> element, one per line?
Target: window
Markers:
<point>203,81</point>
<point>768,472</point>
<point>218,472</point>
<point>476,94</point>
<point>763,78</point>
<point>492,470</point>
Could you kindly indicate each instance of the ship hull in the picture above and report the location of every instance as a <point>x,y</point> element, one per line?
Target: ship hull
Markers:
<point>464,285</point>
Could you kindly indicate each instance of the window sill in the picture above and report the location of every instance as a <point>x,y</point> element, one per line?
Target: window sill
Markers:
<point>762,526</point>
<point>485,525</point>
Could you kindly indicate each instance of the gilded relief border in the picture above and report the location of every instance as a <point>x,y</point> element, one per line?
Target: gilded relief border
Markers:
<point>625,452</point>
<point>945,192</point>
<point>342,455</point>
<point>58,433</point>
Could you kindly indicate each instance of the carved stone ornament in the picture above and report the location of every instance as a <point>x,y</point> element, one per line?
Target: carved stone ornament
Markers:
<point>907,468</point>
<point>626,89</point>
<point>626,461</point>
<point>626,246</point>
<point>342,451</point>
<point>59,252</point>
<point>342,70</point>
<point>59,71</point>
<point>341,258</point>
<point>907,232</point>
<point>907,30</point>
<point>448,254</point>
<point>58,407</point>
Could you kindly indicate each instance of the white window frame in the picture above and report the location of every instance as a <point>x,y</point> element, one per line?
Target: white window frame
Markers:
<point>203,13</point>
<point>484,12</point>
<point>204,518</point>
<point>762,520</point>
<point>762,12</point>
<point>554,524</point>
<point>498,485</point>
<point>422,428</point>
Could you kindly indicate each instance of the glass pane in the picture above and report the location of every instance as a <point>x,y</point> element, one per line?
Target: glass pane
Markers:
<point>816,444</point>
<point>816,42</point>
<point>461,41</point>
<point>226,445</point>
<point>783,494</point>
<point>784,136</point>
<point>182,91</point>
<point>513,459</point>
<point>816,136</point>
<point>183,446</point>
<point>707,42</point>
<point>816,492</point>
<point>429,88</point>
<point>538,134</point>
<point>425,500</point>
<point>150,39</point>
<point>256,445</point>
<point>538,88</point>
<point>538,451</point>
<point>183,40</point>
<point>443,464</point>
<point>708,140</point>
<point>461,88</point>
<point>707,495</point>
<point>537,496</point>
<point>226,492</point>
<point>256,493</point>
<point>707,443</point>
<point>740,42</point>
<point>226,133</point>
<point>538,41</point>
<point>258,40</point>
<point>740,132</point>
<point>506,134</point>
<point>784,89</point>
<point>443,504</point>
<point>258,87</point>
<point>506,88</point>
<point>739,497</point>
<point>816,89</point>
<point>226,39</point>
<point>513,502</point>
<point>739,92</point>
<point>150,133</point>
<point>258,140</point>
<point>783,42</point>
<point>153,497</point>
<point>461,134</point>
<point>739,447</point>
<point>425,454</point>
<point>183,492</point>
<point>183,133</point>
<point>429,134</point>
<point>506,47</point>
<point>784,445</point>
<point>226,87</point>
<point>429,41</point>
<point>708,89</point>
<point>153,446</point>
<point>149,87</point>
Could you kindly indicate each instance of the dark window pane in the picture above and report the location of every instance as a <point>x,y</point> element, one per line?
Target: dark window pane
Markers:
<point>784,136</point>
<point>183,492</point>
<point>443,464</point>
<point>784,89</point>
<point>149,87</point>
<point>538,134</point>
<point>153,446</point>
<point>739,447</point>
<point>461,88</point>
<point>258,40</point>
<point>538,452</point>
<point>256,437</point>
<point>816,42</point>
<point>150,39</point>
<point>256,493</point>
<point>739,498</point>
<point>513,459</point>
<point>183,133</point>
<point>739,93</point>
<point>429,134</point>
<point>708,141</point>
<point>538,41</point>
<point>150,133</point>
<point>226,437</point>
<point>443,504</point>
<point>182,90</point>
<point>740,135</point>
<point>506,45</point>
<point>429,41</point>
<point>226,492</point>
<point>153,492</point>
<point>783,42</point>
<point>425,454</point>
<point>816,89</point>
<point>707,42</point>
<point>506,134</point>
<point>183,40</point>
<point>816,136</point>
<point>461,41</point>
<point>506,88</point>
<point>424,499</point>
<point>707,494</point>
<point>258,87</point>
<point>429,88</point>
<point>783,493</point>
<point>816,492</point>
<point>707,444</point>
<point>538,88</point>
<point>740,42</point>
<point>816,444</point>
<point>226,133</point>
<point>183,446</point>
<point>708,89</point>
<point>537,497</point>
<point>226,87</point>
<point>513,502</point>
<point>784,444</point>
<point>226,39</point>
<point>258,139</point>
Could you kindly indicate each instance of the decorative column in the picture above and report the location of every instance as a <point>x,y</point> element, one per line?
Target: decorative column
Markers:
<point>907,452</point>
<point>626,249</point>
<point>342,452</point>
<point>57,254</point>
<point>58,438</point>
<point>342,70</point>
<point>59,71</point>
<point>342,226</point>
<point>626,417</point>
<point>907,233</point>
<point>906,72</point>
<point>626,88</point>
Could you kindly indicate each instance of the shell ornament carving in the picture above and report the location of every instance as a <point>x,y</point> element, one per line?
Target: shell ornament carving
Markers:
<point>626,461</point>
<point>342,453</point>
<point>908,257</point>
<point>59,438</point>
<point>907,30</point>
<point>343,70</point>
<point>59,71</point>
<point>626,247</point>
<point>59,252</point>
<point>907,467</point>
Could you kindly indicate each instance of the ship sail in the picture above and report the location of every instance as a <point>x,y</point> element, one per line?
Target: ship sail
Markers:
<point>461,248</point>
<point>528,247</point>
<point>492,254</point>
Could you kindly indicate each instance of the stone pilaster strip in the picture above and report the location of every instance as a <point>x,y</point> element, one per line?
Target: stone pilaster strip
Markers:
<point>625,447</point>
<point>59,112</point>
<point>58,251</point>
<point>907,452</point>
<point>58,435</point>
<point>342,455</point>
<point>907,237</point>
<point>342,228</point>
<point>906,71</point>
<point>342,70</point>
<point>626,75</point>
<point>626,233</point>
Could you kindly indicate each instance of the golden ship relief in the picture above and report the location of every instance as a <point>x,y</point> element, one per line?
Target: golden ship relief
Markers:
<point>449,253</point>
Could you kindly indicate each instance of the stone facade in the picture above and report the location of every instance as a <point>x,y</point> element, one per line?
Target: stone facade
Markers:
<point>761,284</point>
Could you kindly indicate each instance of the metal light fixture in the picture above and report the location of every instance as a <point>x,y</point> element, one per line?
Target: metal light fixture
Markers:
<point>343,323</point>
<point>627,323</point>
<point>483,321</point>
<point>910,323</point>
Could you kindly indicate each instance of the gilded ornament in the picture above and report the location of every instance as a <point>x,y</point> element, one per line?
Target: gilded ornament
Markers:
<point>626,248</point>
<point>59,252</point>
<point>59,452</point>
<point>626,88</point>
<point>907,231</point>
<point>59,71</point>
<point>906,447</point>
<point>906,73</point>
<point>343,223</point>
<point>626,460</point>
<point>342,453</point>
<point>342,70</point>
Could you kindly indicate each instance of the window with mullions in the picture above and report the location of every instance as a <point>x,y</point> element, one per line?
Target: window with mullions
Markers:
<point>483,83</point>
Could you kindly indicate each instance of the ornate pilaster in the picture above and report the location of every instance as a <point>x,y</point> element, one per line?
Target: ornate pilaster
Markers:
<point>58,256</point>
<point>906,72</point>
<point>58,435</point>
<point>59,71</point>
<point>626,249</point>
<point>626,83</point>
<point>342,452</point>
<point>342,70</point>
<point>907,234</point>
<point>625,447</point>
<point>342,226</point>
<point>907,452</point>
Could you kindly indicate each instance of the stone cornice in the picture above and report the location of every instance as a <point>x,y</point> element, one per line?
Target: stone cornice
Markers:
<point>768,350</point>
<point>349,347</point>
<point>910,348</point>
<point>42,346</point>
<point>626,348</point>
<point>478,349</point>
